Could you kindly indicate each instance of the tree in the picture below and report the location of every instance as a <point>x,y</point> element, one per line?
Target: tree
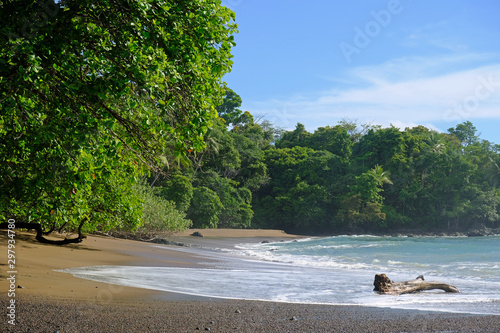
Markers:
<point>465,132</point>
<point>380,146</point>
<point>380,176</point>
<point>97,94</point>
<point>305,207</point>
<point>272,133</point>
<point>363,205</point>
<point>336,140</point>
<point>159,214</point>
<point>296,197</point>
<point>221,154</point>
<point>235,201</point>
<point>179,190</point>
<point>438,181</point>
<point>205,208</point>
<point>228,110</point>
<point>232,166</point>
<point>352,128</point>
<point>251,141</point>
<point>297,137</point>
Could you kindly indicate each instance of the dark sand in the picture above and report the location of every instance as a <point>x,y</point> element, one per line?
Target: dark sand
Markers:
<point>58,302</point>
<point>49,315</point>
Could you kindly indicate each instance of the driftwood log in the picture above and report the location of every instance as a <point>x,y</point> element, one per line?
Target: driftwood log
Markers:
<point>384,285</point>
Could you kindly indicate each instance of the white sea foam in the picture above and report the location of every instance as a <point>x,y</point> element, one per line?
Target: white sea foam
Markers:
<point>336,270</point>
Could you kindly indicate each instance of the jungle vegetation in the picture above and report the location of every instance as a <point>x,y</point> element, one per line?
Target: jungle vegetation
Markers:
<point>344,178</point>
<point>114,116</point>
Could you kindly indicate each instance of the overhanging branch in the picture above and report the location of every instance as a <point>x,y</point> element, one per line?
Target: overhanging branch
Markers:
<point>40,233</point>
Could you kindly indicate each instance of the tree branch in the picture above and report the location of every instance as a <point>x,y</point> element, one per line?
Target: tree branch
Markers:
<point>39,233</point>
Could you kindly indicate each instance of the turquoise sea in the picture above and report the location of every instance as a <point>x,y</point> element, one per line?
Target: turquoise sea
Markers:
<point>332,270</point>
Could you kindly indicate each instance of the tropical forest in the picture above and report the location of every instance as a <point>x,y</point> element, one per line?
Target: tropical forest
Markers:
<point>157,142</point>
<point>346,178</point>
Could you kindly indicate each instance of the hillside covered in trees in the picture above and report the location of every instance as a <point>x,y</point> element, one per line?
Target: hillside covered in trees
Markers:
<point>94,96</point>
<point>342,178</point>
<point>108,122</point>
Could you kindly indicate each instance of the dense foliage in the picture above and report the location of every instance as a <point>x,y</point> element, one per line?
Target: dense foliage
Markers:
<point>218,183</point>
<point>337,179</point>
<point>112,116</point>
<point>95,94</point>
<point>345,178</point>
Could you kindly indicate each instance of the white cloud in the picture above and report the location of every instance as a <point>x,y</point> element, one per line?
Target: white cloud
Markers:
<point>441,35</point>
<point>403,91</point>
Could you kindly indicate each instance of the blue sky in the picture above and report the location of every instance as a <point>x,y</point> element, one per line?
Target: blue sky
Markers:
<point>400,62</point>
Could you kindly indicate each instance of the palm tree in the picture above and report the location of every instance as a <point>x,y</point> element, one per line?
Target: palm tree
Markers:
<point>436,143</point>
<point>380,176</point>
<point>494,173</point>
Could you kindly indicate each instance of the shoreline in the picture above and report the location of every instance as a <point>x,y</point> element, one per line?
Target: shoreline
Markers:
<point>51,300</point>
<point>37,264</point>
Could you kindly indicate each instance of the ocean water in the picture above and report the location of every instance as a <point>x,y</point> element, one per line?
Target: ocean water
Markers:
<point>333,270</point>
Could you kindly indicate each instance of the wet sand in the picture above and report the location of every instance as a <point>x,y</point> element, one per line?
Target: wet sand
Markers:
<point>51,301</point>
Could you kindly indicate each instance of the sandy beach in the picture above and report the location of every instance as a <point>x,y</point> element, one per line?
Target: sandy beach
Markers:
<point>50,301</point>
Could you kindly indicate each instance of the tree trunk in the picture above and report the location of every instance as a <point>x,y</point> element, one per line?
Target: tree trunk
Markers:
<point>39,233</point>
<point>385,286</point>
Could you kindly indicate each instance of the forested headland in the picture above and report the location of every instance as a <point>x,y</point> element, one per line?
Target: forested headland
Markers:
<point>349,177</point>
<point>115,116</point>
